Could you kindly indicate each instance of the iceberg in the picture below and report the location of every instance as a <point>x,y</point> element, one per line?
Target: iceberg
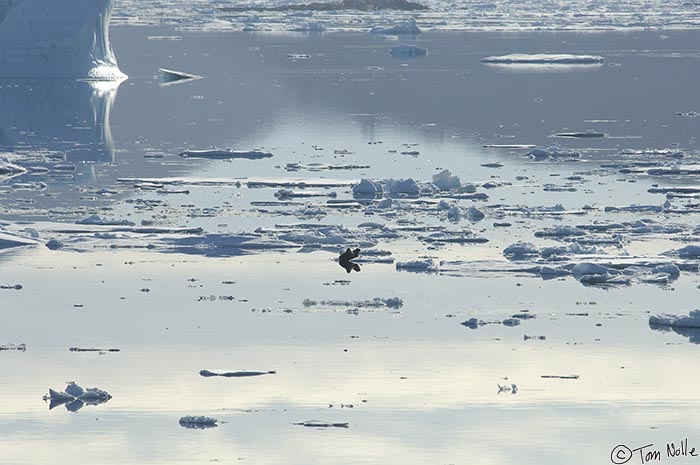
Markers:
<point>59,39</point>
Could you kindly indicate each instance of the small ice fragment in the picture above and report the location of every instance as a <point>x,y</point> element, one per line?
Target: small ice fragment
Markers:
<point>321,424</point>
<point>474,214</point>
<point>168,76</point>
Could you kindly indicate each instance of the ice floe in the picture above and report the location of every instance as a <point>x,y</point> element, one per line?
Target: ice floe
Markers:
<point>198,422</point>
<point>75,397</point>
<point>234,374</point>
<point>545,59</point>
<point>225,154</point>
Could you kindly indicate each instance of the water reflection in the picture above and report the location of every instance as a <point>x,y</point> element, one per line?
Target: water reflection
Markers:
<point>57,117</point>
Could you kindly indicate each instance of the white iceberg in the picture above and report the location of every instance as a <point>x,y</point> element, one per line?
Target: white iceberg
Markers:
<point>48,38</point>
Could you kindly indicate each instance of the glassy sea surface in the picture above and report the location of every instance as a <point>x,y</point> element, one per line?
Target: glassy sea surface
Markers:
<point>408,382</point>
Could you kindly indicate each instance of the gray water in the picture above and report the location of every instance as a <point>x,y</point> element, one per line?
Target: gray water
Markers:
<point>422,387</point>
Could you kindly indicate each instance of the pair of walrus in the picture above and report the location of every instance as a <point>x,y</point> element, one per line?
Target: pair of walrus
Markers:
<point>345,260</point>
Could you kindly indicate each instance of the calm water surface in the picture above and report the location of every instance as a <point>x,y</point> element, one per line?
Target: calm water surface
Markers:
<point>414,385</point>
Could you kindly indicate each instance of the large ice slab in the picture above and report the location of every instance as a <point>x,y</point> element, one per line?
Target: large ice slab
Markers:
<point>50,38</point>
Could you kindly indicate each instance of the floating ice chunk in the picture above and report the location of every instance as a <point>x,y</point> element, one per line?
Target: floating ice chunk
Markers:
<point>235,374</point>
<point>560,231</point>
<point>521,250</point>
<point>66,39</point>
<point>679,321</point>
<point>98,220</point>
<point>552,152</point>
<point>474,214</point>
<point>74,390</point>
<point>583,269</point>
<point>406,50</point>
<point>418,266</point>
<point>581,135</point>
<point>572,249</point>
<point>169,76</point>
<point>445,181</point>
<point>670,269</point>
<point>309,27</point>
<point>548,272</point>
<point>546,59</point>
<point>75,397</point>
<point>407,28</point>
<point>321,424</point>
<point>367,187</point>
<point>7,167</point>
<point>198,422</point>
<point>511,322</point>
<point>454,213</point>
<point>688,252</point>
<point>225,154</point>
<point>403,186</point>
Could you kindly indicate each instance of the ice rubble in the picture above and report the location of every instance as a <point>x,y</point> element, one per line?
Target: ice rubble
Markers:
<point>408,28</point>
<point>544,58</point>
<point>48,38</point>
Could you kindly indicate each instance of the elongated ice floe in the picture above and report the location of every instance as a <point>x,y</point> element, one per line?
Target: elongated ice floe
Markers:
<point>198,422</point>
<point>49,38</point>
<point>234,374</point>
<point>545,59</point>
<point>225,154</point>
